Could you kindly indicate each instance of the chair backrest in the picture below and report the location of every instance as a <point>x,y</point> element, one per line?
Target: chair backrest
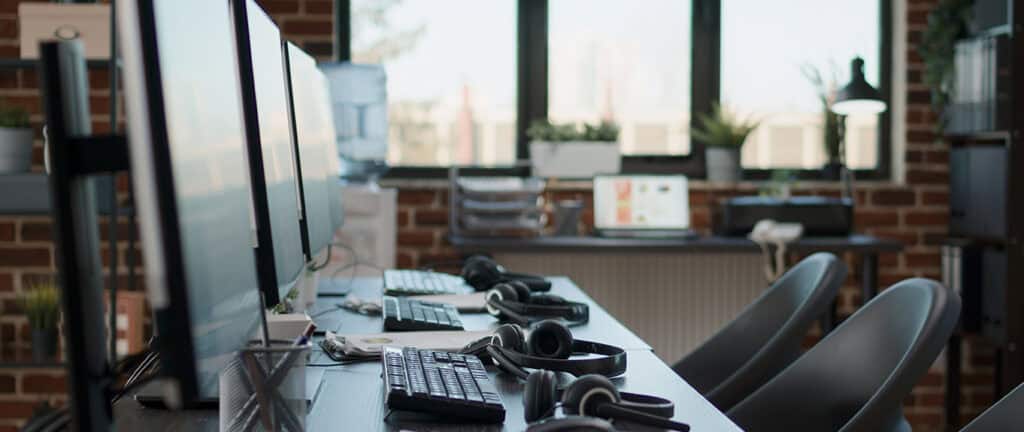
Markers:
<point>1004,415</point>
<point>766,336</point>
<point>857,377</point>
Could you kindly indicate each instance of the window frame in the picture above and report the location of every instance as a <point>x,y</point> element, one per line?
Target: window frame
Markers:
<point>532,92</point>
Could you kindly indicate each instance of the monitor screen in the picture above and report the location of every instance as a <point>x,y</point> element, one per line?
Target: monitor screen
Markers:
<point>271,149</point>
<point>191,181</point>
<point>641,202</point>
<point>314,136</point>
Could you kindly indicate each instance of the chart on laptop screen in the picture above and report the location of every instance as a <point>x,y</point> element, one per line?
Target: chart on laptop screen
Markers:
<point>641,202</point>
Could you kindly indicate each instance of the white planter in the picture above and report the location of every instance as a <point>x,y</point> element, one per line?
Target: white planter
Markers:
<point>15,150</point>
<point>574,159</point>
<point>723,164</point>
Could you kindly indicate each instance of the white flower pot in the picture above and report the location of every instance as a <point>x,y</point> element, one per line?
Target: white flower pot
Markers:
<point>574,159</point>
<point>15,150</point>
<point>723,164</point>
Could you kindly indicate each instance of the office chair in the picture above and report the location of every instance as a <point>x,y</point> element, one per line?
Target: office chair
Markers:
<point>1004,415</point>
<point>857,377</point>
<point>766,336</point>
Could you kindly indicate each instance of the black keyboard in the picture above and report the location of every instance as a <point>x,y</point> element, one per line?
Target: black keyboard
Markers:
<point>405,314</point>
<point>440,383</point>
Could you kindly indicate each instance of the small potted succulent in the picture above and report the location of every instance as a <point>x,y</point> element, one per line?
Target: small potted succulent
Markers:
<point>15,140</point>
<point>723,135</point>
<point>41,304</point>
<point>566,151</point>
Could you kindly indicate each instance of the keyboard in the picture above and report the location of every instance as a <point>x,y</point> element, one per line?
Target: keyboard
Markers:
<point>417,282</point>
<point>406,314</point>
<point>440,383</point>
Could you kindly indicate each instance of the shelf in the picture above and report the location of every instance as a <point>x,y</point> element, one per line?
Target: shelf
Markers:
<point>9,63</point>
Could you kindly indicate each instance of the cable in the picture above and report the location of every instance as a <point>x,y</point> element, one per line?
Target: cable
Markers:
<point>314,267</point>
<point>354,265</point>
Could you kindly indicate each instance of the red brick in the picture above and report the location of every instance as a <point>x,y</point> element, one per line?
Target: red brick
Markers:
<point>99,79</point>
<point>915,176</point>
<point>36,231</point>
<point>924,419</point>
<point>892,197</point>
<point>404,260</point>
<point>920,136</point>
<point>319,7</point>
<point>937,156</point>
<point>699,198</point>
<point>6,282</point>
<point>279,7</point>
<point>403,218</point>
<point>7,231</point>
<point>925,218</point>
<point>24,256</point>
<point>308,27</point>
<point>7,332</point>
<point>32,104</point>
<point>913,156</point>
<point>16,409</point>
<point>9,79</point>
<point>447,261</point>
<point>431,217</point>
<point>700,219</point>
<point>416,238</point>
<point>917,17</point>
<point>43,384</point>
<point>8,383</point>
<point>417,197</point>
<point>935,198</point>
<point>923,259</point>
<point>876,218</point>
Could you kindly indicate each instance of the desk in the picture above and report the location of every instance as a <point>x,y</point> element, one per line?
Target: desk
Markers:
<point>867,247</point>
<point>350,397</point>
<point>602,326</point>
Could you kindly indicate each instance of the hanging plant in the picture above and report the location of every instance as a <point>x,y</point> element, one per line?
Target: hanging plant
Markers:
<point>946,24</point>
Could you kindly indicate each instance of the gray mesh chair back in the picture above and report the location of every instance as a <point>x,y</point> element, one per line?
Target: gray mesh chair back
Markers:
<point>1006,415</point>
<point>766,336</point>
<point>857,377</point>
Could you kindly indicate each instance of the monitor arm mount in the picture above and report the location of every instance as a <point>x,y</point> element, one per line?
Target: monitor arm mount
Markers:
<point>75,157</point>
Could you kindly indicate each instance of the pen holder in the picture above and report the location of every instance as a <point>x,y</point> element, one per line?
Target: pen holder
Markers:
<point>264,388</point>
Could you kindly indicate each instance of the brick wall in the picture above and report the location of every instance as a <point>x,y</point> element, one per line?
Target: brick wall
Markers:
<point>914,213</point>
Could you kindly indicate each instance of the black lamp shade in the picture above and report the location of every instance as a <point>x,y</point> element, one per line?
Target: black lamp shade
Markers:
<point>858,97</point>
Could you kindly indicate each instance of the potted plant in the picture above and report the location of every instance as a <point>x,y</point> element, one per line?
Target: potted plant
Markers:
<point>832,123</point>
<point>723,135</point>
<point>947,22</point>
<point>565,151</point>
<point>41,304</point>
<point>15,140</point>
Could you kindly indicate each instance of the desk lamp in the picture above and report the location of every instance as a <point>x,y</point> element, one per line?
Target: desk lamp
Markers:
<point>857,97</point>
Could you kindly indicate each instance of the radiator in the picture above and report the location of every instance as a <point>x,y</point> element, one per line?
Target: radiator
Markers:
<point>673,301</point>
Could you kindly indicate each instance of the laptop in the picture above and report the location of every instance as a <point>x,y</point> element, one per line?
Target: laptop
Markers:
<point>642,206</point>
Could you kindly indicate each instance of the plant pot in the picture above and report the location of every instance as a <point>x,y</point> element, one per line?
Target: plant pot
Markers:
<point>723,164</point>
<point>44,344</point>
<point>831,171</point>
<point>574,159</point>
<point>15,150</point>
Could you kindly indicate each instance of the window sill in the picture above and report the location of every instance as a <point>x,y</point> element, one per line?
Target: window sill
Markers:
<point>702,185</point>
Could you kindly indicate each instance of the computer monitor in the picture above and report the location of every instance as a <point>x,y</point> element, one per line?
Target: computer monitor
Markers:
<point>313,132</point>
<point>191,181</point>
<point>279,256</point>
<point>641,202</point>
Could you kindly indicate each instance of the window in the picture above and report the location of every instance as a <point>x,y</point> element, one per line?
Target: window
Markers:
<point>451,71</point>
<point>627,62</point>
<point>465,77</point>
<point>766,49</point>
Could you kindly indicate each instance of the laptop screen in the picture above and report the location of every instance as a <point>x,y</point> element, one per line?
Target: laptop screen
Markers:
<point>634,202</point>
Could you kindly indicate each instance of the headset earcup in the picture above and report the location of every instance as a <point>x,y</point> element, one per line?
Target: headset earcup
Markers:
<point>510,336</point>
<point>539,395</point>
<point>523,292</point>
<point>588,391</point>
<point>547,300</point>
<point>550,339</point>
<point>480,272</point>
<point>500,292</point>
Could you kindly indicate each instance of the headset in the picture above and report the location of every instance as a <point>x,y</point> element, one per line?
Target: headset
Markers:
<point>549,346</point>
<point>514,302</point>
<point>590,397</point>
<point>482,273</point>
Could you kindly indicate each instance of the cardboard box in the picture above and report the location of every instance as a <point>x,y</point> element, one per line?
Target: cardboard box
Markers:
<point>52,21</point>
